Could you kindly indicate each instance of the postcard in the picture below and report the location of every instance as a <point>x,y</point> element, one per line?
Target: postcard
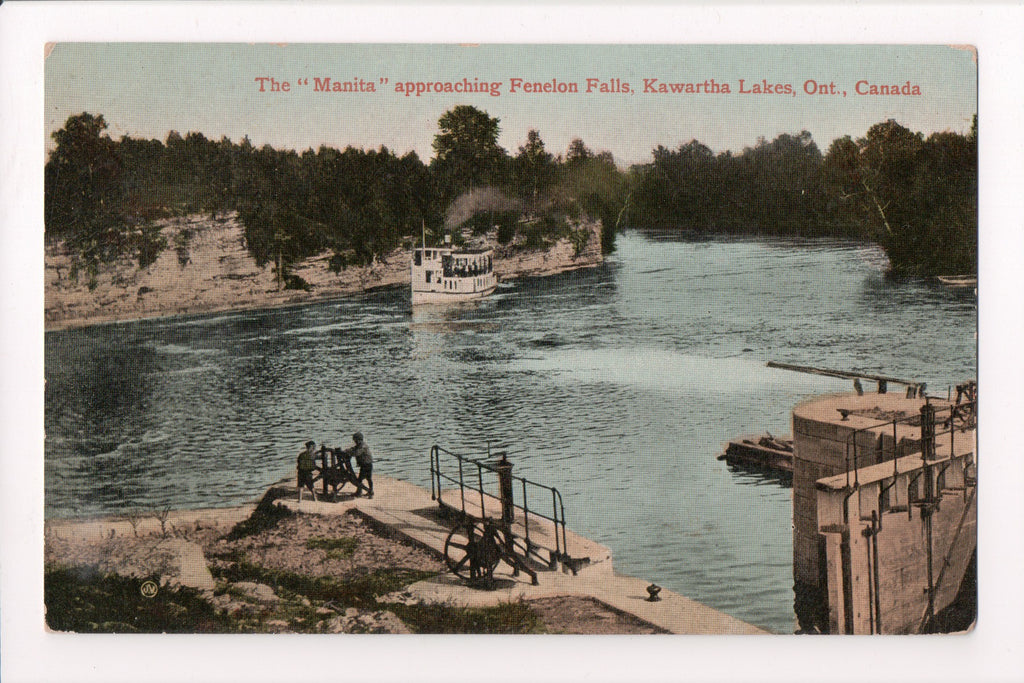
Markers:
<point>405,338</point>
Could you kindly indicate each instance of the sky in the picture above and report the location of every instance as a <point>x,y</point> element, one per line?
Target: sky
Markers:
<point>149,89</point>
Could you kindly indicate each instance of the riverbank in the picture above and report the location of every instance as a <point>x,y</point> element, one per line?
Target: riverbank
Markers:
<point>208,269</point>
<point>346,566</point>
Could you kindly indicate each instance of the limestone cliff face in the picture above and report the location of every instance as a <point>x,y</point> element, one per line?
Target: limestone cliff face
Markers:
<point>213,271</point>
<point>512,262</point>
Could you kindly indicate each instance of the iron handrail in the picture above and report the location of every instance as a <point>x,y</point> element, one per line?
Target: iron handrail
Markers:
<point>965,410</point>
<point>557,516</point>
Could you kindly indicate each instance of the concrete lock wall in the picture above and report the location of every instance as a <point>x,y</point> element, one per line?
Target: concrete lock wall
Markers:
<point>893,545</point>
<point>825,444</point>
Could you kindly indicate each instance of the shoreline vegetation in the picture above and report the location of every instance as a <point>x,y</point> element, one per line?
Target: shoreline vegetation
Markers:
<point>297,227</point>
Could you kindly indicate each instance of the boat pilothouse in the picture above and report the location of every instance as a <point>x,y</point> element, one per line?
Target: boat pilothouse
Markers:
<point>443,274</point>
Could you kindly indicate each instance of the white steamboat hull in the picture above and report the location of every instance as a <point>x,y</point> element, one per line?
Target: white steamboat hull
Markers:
<point>442,297</point>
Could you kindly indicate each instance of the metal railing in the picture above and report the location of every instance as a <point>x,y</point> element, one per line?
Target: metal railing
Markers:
<point>934,422</point>
<point>492,479</point>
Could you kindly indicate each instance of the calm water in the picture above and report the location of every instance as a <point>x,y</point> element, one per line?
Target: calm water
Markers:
<point>618,385</point>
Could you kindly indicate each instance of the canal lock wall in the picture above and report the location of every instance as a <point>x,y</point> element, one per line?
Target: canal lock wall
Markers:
<point>882,538</point>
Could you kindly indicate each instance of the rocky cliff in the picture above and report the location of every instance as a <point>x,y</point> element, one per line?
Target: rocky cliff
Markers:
<point>209,269</point>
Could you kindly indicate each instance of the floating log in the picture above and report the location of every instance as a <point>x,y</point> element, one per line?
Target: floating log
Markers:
<point>765,451</point>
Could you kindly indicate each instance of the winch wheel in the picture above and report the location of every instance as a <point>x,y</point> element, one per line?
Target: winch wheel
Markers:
<point>471,552</point>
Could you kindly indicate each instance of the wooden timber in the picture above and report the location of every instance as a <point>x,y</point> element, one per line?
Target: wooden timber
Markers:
<point>761,451</point>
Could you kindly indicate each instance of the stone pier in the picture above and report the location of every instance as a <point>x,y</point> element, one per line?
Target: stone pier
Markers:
<point>408,510</point>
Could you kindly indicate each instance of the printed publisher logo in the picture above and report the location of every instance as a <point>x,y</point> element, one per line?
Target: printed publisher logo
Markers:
<point>148,589</point>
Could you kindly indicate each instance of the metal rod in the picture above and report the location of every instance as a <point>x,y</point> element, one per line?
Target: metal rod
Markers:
<point>480,478</point>
<point>846,561</point>
<point>952,433</point>
<point>847,464</point>
<point>930,614</point>
<point>882,490</point>
<point>895,448</point>
<point>565,540</point>
<point>842,374</point>
<point>870,588</point>
<point>856,474</point>
<point>876,525</point>
<point>554,512</point>
<point>434,472</point>
<point>846,505</point>
<point>526,515</point>
<point>928,431</point>
<point>462,486</point>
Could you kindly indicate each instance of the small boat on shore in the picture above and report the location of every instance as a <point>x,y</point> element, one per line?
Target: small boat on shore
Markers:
<point>445,274</point>
<point>765,451</point>
<point>958,280</point>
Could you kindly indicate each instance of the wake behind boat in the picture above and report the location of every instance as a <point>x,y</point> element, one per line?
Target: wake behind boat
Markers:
<point>445,274</point>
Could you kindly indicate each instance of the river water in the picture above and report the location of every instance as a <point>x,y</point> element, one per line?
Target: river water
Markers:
<point>618,385</point>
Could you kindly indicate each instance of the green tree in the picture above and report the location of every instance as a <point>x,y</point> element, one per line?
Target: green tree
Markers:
<point>842,187</point>
<point>466,151</point>
<point>85,195</point>
<point>593,188</point>
<point>887,163</point>
<point>270,199</point>
<point>674,190</point>
<point>771,188</point>
<point>783,196</point>
<point>534,168</point>
<point>577,153</point>
<point>945,197</point>
<point>915,197</point>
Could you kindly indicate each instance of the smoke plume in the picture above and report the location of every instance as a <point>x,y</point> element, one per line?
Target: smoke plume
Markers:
<point>476,201</point>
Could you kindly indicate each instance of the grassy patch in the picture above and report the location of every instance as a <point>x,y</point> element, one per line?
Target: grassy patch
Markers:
<point>505,617</point>
<point>337,548</point>
<point>86,601</point>
<point>358,591</point>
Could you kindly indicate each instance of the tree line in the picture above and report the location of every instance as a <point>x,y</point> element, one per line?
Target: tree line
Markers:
<point>103,197</point>
<point>915,196</point>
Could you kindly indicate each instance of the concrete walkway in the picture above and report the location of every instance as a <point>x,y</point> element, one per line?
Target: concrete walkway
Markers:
<point>409,511</point>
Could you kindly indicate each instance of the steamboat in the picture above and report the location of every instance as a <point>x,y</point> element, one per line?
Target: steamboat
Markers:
<point>446,274</point>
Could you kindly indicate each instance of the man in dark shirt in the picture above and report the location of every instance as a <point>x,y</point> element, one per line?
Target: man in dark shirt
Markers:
<point>304,469</point>
<point>364,459</point>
